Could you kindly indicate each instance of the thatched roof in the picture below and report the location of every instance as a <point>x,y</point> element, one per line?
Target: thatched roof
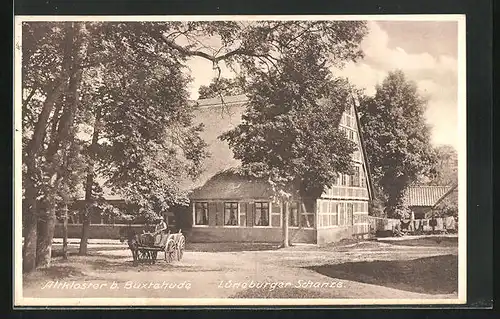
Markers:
<point>229,184</point>
<point>218,116</point>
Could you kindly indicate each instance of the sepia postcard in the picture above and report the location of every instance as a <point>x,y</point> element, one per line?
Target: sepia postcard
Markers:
<point>239,160</point>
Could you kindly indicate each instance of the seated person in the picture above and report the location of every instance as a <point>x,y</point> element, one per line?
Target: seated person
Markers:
<point>159,229</point>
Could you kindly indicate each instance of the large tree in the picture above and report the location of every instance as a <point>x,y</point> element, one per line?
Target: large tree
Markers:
<point>397,137</point>
<point>52,55</point>
<point>289,135</point>
<point>68,71</point>
<point>445,168</point>
<point>61,83</point>
<point>143,143</point>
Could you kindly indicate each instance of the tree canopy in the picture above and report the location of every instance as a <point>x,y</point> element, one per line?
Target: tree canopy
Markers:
<point>113,96</point>
<point>397,137</point>
<point>445,168</point>
<point>289,133</point>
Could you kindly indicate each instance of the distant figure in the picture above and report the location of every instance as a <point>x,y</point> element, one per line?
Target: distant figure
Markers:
<point>404,225</point>
<point>159,229</point>
<point>433,223</point>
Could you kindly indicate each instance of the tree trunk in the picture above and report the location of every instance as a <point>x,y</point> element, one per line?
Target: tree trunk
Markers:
<point>30,229</point>
<point>65,232</point>
<point>285,205</point>
<point>32,153</point>
<point>45,227</point>
<point>60,141</point>
<point>89,183</point>
<point>85,235</point>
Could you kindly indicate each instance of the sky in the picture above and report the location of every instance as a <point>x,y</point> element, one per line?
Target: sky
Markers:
<point>426,51</point>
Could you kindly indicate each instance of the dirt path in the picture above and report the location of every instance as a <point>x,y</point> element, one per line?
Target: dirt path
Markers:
<point>227,274</point>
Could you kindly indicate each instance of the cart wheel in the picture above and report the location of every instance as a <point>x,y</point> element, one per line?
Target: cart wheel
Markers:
<point>141,256</point>
<point>169,248</point>
<point>180,248</point>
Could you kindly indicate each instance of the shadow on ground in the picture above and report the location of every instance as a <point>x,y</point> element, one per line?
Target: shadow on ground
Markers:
<point>279,293</point>
<point>429,275</point>
<point>59,272</point>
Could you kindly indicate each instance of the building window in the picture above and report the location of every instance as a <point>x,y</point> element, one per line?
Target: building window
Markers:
<point>355,177</point>
<point>243,214</point>
<point>350,210</point>
<point>351,135</point>
<point>334,209</point>
<point>231,214</point>
<point>293,218</point>
<point>340,214</point>
<point>201,213</point>
<point>261,217</point>
<point>344,179</point>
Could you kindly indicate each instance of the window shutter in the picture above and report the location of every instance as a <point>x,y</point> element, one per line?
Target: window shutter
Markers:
<point>212,213</point>
<point>250,213</point>
<point>220,214</point>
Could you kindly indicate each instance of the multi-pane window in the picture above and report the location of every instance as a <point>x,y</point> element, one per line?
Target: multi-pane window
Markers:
<point>355,178</point>
<point>349,214</point>
<point>344,179</point>
<point>261,216</point>
<point>201,213</point>
<point>243,214</point>
<point>334,214</point>
<point>340,213</point>
<point>231,214</point>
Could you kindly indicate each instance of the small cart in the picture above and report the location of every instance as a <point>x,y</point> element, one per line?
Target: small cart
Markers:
<point>172,245</point>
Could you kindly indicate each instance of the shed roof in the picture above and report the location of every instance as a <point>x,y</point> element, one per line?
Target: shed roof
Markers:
<point>424,195</point>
